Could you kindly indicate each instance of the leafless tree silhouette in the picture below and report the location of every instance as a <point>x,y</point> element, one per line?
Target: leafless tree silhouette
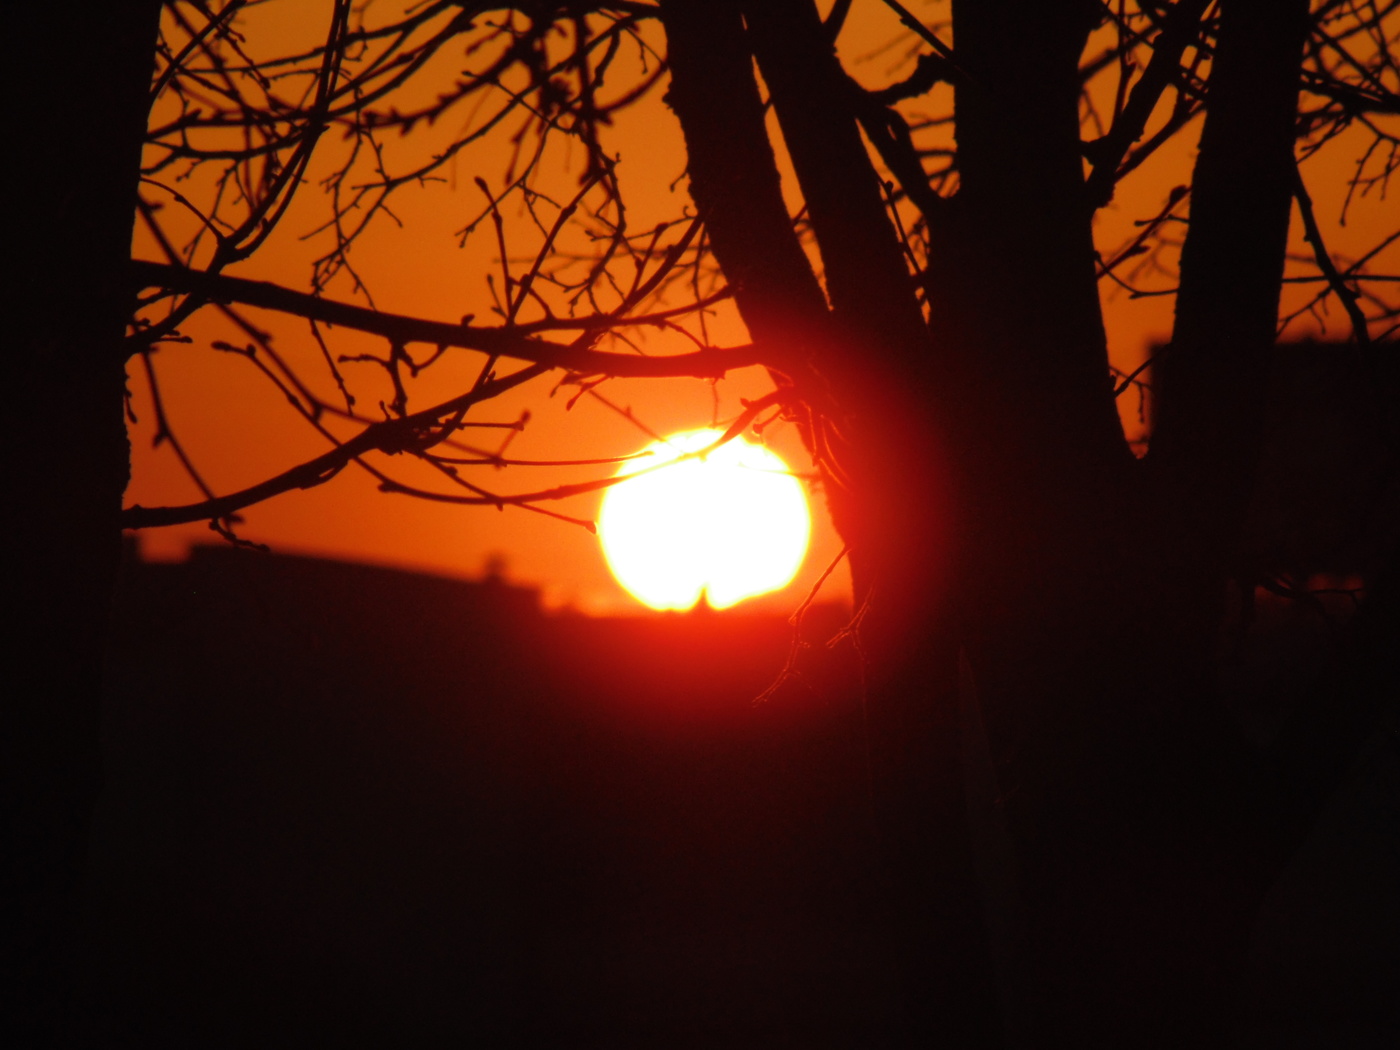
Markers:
<point>931,320</point>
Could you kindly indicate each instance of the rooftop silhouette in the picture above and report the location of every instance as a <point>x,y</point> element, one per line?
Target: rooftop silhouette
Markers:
<point>369,807</point>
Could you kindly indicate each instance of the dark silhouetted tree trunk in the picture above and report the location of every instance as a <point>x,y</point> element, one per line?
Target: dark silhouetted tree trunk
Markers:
<point>1083,586</point>
<point>868,357</point>
<point>79,77</point>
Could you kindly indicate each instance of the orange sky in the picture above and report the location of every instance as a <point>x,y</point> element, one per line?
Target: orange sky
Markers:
<point>239,430</point>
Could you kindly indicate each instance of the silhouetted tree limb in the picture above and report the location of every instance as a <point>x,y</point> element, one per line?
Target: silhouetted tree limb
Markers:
<point>513,341</point>
<point>1180,30</point>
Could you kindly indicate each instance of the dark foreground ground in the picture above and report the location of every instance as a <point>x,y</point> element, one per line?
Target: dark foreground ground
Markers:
<point>348,807</point>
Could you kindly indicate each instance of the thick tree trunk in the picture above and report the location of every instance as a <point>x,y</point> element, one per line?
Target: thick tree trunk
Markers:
<point>864,365</point>
<point>1089,655</point>
<point>1085,620</point>
<point>898,522</point>
<point>1043,475</point>
<point>1091,646</point>
<point>81,74</point>
<point>1044,479</point>
<point>1209,415</point>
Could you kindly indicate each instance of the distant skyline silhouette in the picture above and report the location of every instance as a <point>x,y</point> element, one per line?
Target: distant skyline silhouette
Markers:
<point>365,807</point>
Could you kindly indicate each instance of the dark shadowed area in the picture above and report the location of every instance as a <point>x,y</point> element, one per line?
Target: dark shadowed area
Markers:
<point>354,806</point>
<point>1108,755</point>
<point>349,805</point>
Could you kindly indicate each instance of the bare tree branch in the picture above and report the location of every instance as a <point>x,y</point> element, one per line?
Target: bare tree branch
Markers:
<point>508,341</point>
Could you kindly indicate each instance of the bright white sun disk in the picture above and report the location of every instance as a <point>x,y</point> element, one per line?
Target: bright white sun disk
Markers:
<point>731,524</point>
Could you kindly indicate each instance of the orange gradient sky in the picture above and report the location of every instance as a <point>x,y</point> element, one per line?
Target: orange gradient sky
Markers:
<point>239,430</point>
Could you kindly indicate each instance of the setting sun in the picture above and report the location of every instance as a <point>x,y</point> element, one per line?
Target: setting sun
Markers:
<point>732,524</point>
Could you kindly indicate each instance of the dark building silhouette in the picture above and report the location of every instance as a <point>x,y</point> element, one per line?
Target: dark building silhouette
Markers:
<point>1327,498</point>
<point>353,806</point>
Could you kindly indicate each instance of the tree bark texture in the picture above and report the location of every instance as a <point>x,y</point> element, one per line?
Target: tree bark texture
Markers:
<point>81,74</point>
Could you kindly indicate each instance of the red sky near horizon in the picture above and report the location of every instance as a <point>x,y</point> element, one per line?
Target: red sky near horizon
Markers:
<point>239,430</point>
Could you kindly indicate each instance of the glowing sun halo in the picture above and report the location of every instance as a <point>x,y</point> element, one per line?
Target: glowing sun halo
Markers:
<point>731,524</point>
